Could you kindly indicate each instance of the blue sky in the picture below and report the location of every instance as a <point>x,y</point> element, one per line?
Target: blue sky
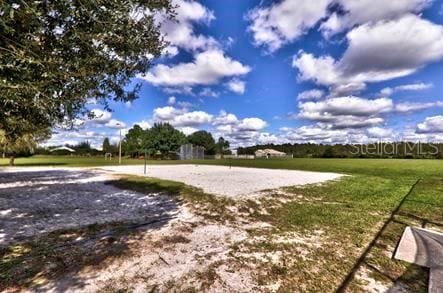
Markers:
<point>326,71</point>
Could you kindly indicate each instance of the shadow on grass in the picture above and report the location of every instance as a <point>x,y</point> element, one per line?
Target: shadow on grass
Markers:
<point>411,211</point>
<point>203,204</point>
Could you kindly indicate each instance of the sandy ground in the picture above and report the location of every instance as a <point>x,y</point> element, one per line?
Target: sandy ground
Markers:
<point>228,181</point>
<point>187,252</point>
<point>38,200</point>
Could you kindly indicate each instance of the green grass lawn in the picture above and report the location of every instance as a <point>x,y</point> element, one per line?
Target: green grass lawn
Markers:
<point>378,167</point>
<point>349,212</point>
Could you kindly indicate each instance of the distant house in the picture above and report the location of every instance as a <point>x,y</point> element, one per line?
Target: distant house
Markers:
<point>268,153</point>
<point>63,148</point>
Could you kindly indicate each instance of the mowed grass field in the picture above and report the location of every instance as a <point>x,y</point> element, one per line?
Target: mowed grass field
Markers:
<point>360,217</point>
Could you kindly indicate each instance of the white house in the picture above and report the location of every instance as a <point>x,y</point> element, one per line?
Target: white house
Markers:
<point>268,153</point>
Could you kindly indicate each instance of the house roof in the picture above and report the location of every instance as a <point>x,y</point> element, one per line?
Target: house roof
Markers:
<point>269,151</point>
<point>63,148</point>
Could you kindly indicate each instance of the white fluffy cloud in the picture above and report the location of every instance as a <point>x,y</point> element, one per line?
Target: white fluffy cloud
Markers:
<point>314,134</point>
<point>240,132</point>
<point>284,21</point>
<point>100,116</point>
<point>179,32</point>
<point>348,106</point>
<point>363,11</point>
<point>115,124</point>
<point>225,118</point>
<point>379,132</point>
<point>208,68</point>
<point>237,86</point>
<point>408,107</point>
<point>376,52</point>
<point>143,124</point>
<point>432,124</point>
<point>181,117</point>
<point>188,130</point>
<point>171,100</point>
<point>208,92</point>
<point>314,94</point>
<point>346,112</point>
<point>406,87</point>
<point>193,118</point>
<point>252,124</point>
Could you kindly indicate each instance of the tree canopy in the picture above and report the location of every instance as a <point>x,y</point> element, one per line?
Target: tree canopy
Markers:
<point>135,140</point>
<point>204,139</point>
<point>56,55</point>
<point>106,147</point>
<point>164,138</point>
<point>222,145</point>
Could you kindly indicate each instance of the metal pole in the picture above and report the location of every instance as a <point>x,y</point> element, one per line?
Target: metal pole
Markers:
<point>145,161</point>
<point>120,149</point>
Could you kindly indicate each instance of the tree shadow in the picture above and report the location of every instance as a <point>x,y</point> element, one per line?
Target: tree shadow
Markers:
<point>50,229</point>
<point>374,257</point>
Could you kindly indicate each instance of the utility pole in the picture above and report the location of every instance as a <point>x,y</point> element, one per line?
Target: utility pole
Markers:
<point>120,149</point>
<point>120,146</point>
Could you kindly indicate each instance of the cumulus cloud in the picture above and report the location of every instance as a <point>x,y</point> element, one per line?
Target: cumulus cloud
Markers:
<point>432,124</point>
<point>379,132</point>
<point>376,52</point>
<point>225,118</point>
<point>143,124</point>
<point>346,112</point>
<point>208,92</point>
<point>193,118</point>
<point>171,100</point>
<point>188,130</point>
<point>236,86</point>
<point>406,87</point>
<point>100,116</point>
<point>348,106</point>
<point>239,132</point>
<point>314,94</point>
<point>363,11</point>
<point>252,124</point>
<point>208,68</point>
<point>166,113</point>
<point>115,124</point>
<point>179,32</point>
<point>275,25</point>
<point>181,117</point>
<point>408,107</point>
<point>314,134</point>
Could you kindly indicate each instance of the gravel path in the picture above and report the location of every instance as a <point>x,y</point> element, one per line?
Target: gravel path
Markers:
<point>226,181</point>
<point>39,200</point>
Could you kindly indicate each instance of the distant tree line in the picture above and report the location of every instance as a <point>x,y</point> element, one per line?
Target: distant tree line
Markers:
<point>163,140</point>
<point>406,150</point>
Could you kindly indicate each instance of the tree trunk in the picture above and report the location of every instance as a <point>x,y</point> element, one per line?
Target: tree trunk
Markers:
<point>11,161</point>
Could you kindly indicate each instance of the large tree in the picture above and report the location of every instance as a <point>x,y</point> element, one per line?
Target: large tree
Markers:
<point>56,55</point>
<point>164,138</point>
<point>222,146</point>
<point>204,139</point>
<point>24,144</point>
<point>106,146</point>
<point>135,140</point>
